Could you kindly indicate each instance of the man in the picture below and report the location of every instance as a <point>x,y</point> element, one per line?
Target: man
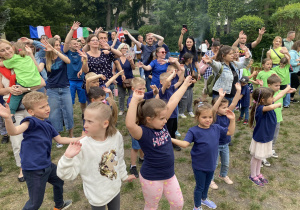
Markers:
<point>138,53</point>
<point>147,50</point>
<point>75,78</point>
<point>242,41</point>
<point>288,41</point>
<point>113,37</point>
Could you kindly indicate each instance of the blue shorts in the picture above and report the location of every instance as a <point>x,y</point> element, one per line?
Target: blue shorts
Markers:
<point>76,85</point>
<point>135,144</point>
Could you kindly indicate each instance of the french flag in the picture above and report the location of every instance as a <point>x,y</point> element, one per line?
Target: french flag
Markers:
<point>37,32</point>
<point>121,34</point>
<point>81,32</point>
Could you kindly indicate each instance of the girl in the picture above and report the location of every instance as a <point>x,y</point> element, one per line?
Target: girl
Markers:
<point>98,158</point>
<point>204,153</point>
<point>186,103</point>
<point>20,58</point>
<point>263,76</point>
<point>265,123</point>
<point>157,174</point>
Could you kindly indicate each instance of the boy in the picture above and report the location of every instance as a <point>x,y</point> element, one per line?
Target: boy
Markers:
<point>36,149</point>
<point>244,100</point>
<point>139,84</point>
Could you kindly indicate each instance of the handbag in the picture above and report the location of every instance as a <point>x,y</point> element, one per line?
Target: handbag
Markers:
<point>291,68</point>
<point>202,67</point>
<point>127,83</point>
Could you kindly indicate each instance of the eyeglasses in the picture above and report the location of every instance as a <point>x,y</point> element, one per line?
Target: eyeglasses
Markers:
<point>124,48</point>
<point>163,52</point>
<point>94,40</point>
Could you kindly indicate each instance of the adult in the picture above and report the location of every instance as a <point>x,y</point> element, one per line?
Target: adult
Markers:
<point>277,51</point>
<point>114,37</point>
<point>8,87</point>
<point>295,63</point>
<point>288,41</point>
<point>242,41</point>
<point>75,79</point>
<point>138,54</point>
<point>203,47</point>
<point>127,65</point>
<point>58,91</point>
<point>188,47</point>
<point>147,51</point>
<point>57,37</point>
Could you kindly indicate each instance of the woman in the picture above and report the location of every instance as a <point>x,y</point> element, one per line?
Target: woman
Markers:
<point>127,65</point>
<point>58,91</point>
<point>295,63</point>
<point>189,47</point>
<point>7,88</point>
<point>277,52</point>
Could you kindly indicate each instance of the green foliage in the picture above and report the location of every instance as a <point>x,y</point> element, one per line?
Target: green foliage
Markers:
<point>249,24</point>
<point>147,29</point>
<point>4,15</point>
<point>287,18</point>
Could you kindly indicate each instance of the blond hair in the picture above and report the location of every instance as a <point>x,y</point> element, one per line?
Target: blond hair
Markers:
<point>164,76</point>
<point>90,74</point>
<point>30,99</point>
<point>50,55</point>
<point>137,81</point>
<point>122,45</point>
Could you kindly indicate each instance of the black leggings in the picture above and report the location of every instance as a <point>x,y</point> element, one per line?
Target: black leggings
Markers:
<point>114,204</point>
<point>294,82</point>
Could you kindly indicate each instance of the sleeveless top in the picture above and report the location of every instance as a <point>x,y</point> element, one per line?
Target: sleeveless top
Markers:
<point>5,83</point>
<point>274,57</point>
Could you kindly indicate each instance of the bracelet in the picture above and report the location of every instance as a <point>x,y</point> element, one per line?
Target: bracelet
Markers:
<point>56,52</point>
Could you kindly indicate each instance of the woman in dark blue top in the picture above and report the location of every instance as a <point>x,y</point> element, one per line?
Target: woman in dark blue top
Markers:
<point>127,65</point>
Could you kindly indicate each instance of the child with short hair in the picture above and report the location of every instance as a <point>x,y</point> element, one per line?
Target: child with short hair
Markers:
<point>36,149</point>
<point>204,153</point>
<point>98,158</point>
<point>244,100</point>
<point>264,75</point>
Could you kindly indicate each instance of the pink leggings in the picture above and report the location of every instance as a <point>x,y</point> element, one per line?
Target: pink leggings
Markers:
<point>153,190</point>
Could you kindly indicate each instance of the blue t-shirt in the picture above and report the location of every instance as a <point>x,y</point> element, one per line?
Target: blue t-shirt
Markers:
<point>185,50</point>
<point>224,122</point>
<point>147,95</point>
<point>206,143</point>
<point>175,80</point>
<point>166,97</point>
<point>127,71</point>
<point>265,125</point>
<point>36,146</point>
<point>75,66</point>
<point>116,45</point>
<point>159,156</point>
<point>146,52</point>
<point>157,70</point>
<point>245,100</point>
<point>57,77</point>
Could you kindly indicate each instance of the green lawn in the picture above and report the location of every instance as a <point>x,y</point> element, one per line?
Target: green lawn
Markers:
<point>281,193</point>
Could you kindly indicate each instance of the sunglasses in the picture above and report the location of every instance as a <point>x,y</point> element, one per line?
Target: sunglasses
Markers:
<point>163,52</point>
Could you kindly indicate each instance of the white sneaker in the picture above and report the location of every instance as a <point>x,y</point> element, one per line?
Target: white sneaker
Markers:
<point>121,113</point>
<point>266,163</point>
<point>182,116</point>
<point>191,114</point>
<point>58,145</point>
<point>274,154</point>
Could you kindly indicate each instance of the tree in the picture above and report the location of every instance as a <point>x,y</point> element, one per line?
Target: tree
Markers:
<point>4,15</point>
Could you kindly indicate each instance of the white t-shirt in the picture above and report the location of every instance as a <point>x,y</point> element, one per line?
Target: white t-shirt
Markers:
<point>203,48</point>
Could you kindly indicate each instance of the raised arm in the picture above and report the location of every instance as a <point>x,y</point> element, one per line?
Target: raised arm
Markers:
<point>271,107</point>
<point>90,79</point>
<point>75,26</point>
<point>258,40</point>
<point>66,140</point>
<point>236,43</point>
<point>132,38</point>
<point>231,128</point>
<point>180,74</point>
<point>180,40</point>
<point>113,78</point>
<point>160,38</point>
<point>282,93</point>
<point>29,51</point>
<point>84,58</point>
<point>220,98</point>
<point>147,68</point>
<point>168,80</point>
<point>59,54</point>
<point>236,97</point>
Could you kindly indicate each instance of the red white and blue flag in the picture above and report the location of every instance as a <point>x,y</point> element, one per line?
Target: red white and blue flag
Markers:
<point>37,32</point>
<point>120,30</point>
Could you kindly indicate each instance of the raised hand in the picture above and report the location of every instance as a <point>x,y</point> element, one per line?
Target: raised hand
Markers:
<point>188,81</point>
<point>262,31</point>
<point>292,90</point>
<point>82,54</point>
<point>230,115</point>
<point>155,89</point>
<point>76,25</point>
<point>28,50</point>
<point>284,51</point>
<point>241,34</point>
<point>97,30</point>
<point>104,45</point>
<point>255,73</point>
<point>183,31</point>
<point>222,93</point>
<point>48,47</point>
<point>238,86</point>
<point>207,59</point>
<point>172,60</point>
<point>149,34</point>
<point>162,61</point>
<point>125,32</point>
<point>73,149</point>
<point>5,111</point>
<point>130,178</point>
<point>102,77</point>
<point>25,40</point>
<point>138,95</point>
<point>89,29</point>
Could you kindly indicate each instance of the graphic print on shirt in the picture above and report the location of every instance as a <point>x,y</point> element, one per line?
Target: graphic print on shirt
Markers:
<point>161,137</point>
<point>106,166</point>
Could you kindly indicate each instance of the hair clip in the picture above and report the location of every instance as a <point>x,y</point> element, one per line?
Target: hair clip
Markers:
<point>254,101</point>
<point>20,50</point>
<point>104,101</point>
<point>200,104</point>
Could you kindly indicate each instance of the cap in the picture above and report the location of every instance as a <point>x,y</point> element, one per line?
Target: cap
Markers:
<point>244,79</point>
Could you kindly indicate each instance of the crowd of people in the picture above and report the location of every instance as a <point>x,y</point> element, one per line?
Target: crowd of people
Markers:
<point>39,81</point>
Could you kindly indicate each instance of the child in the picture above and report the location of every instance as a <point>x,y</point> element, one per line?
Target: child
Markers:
<point>98,158</point>
<point>187,100</point>
<point>283,71</point>
<point>36,149</point>
<point>244,100</point>
<point>263,114</point>
<point>204,153</point>
<point>264,75</point>
<point>146,122</point>
<point>21,59</point>
<point>220,106</point>
<point>138,84</point>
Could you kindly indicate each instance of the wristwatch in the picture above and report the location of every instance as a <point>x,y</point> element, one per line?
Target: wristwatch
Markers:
<point>28,89</point>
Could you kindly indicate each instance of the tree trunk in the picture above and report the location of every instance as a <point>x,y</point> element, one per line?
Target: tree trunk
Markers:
<point>108,15</point>
<point>266,10</point>
<point>228,26</point>
<point>116,23</point>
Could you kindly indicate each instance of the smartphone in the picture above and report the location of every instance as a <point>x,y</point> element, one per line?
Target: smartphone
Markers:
<point>184,26</point>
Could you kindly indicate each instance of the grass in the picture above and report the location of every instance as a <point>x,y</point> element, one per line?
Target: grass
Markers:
<point>281,193</point>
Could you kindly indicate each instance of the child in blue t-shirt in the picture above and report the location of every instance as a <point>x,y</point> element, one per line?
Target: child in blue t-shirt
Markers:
<point>263,114</point>
<point>245,100</point>
<point>36,149</point>
<point>204,153</point>
<point>146,122</point>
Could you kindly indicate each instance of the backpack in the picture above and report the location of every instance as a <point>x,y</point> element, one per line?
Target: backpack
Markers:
<point>211,82</point>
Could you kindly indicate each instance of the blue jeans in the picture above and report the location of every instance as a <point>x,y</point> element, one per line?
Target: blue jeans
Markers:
<point>245,110</point>
<point>287,100</point>
<point>148,83</point>
<point>203,179</point>
<point>36,183</point>
<point>223,152</point>
<point>228,98</point>
<point>61,112</point>
<point>76,85</point>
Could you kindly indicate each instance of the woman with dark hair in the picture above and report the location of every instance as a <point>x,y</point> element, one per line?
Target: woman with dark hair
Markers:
<point>188,47</point>
<point>295,63</point>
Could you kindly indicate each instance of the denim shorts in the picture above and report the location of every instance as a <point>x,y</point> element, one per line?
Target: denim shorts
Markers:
<point>135,144</point>
<point>61,112</point>
<point>76,85</point>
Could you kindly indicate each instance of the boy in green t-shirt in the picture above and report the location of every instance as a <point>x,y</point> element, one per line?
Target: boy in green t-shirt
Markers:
<point>266,73</point>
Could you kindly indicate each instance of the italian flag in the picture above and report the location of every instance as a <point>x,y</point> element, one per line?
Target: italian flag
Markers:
<point>81,32</point>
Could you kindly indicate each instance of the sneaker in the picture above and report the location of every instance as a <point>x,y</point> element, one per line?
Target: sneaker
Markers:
<point>66,205</point>
<point>294,101</point>
<point>182,116</point>
<point>177,134</point>
<point>176,147</point>
<point>261,165</point>
<point>5,139</point>
<point>262,179</point>
<point>256,181</point>
<point>213,185</point>
<point>266,163</point>
<point>121,113</point>
<point>141,160</point>
<point>226,179</point>
<point>287,106</point>
<point>237,108</point>
<point>58,145</point>
<point>133,171</point>
<point>274,155</point>
<point>209,203</point>
<point>199,208</point>
<point>191,114</point>
<point>245,122</point>
<point>239,119</point>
